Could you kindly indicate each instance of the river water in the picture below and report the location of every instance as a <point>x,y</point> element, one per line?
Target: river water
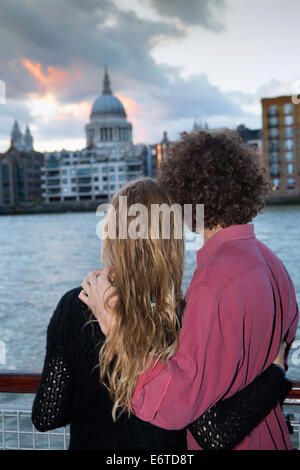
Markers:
<point>42,256</point>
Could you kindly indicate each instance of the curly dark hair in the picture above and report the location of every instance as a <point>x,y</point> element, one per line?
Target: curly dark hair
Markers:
<point>218,170</point>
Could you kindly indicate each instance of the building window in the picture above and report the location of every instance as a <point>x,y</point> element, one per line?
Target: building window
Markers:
<point>288,120</point>
<point>289,132</point>
<point>72,172</point>
<point>112,186</point>
<point>83,171</point>
<point>290,168</point>
<point>289,156</point>
<point>273,132</point>
<point>289,144</point>
<point>290,183</point>
<point>274,146</point>
<point>115,134</point>
<point>275,169</point>
<point>104,169</point>
<point>288,108</point>
<point>121,168</point>
<point>275,184</point>
<point>121,177</point>
<point>96,178</point>
<point>111,168</point>
<point>273,121</point>
<point>273,110</point>
<point>95,169</point>
<point>104,178</point>
<point>64,181</point>
<point>274,157</point>
<point>112,178</point>
<point>64,172</point>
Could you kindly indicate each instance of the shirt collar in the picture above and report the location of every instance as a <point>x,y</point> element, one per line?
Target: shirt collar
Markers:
<point>234,232</point>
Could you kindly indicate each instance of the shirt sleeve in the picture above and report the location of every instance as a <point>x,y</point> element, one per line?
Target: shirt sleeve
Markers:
<point>52,403</point>
<point>194,380</point>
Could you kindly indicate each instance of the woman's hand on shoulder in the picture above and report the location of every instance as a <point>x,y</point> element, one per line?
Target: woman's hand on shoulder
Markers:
<point>99,294</point>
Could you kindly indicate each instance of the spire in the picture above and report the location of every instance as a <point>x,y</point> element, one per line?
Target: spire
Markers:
<point>165,138</point>
<point>106,83</point>
<point>16,136</point>
<point>28,140</point>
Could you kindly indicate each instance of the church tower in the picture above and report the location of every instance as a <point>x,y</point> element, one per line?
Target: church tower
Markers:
<point>27,140</point>
<point>16,136</point>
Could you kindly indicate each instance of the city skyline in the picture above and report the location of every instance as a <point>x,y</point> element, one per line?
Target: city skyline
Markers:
<point>171,63</point>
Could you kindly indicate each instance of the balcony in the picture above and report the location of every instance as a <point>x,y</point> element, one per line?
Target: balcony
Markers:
<point>18,433</point>
<point>53,182</point>
<point>84,180</point>
<point>52,174</point>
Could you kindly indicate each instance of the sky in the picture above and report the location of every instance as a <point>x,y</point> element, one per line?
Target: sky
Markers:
<point>171,63</point>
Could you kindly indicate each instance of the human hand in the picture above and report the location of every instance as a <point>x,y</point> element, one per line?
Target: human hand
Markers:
<point>96,288</point>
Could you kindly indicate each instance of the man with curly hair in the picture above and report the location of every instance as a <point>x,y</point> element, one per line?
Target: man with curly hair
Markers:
<point>241,303</point>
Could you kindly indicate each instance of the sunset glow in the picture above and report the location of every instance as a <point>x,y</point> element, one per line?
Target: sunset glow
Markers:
<point>132,107</point>
<point>55,78</point>
<point>48,107</point>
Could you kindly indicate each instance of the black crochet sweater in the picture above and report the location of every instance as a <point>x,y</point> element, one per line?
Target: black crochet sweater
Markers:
<point>70,392</point>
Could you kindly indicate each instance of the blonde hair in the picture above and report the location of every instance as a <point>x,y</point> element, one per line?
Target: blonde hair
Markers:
<point>147,278</point>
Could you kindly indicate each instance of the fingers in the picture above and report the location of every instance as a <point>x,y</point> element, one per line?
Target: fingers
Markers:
<point>92,276</point>
<point>83,296</point>
<point>86,286</point>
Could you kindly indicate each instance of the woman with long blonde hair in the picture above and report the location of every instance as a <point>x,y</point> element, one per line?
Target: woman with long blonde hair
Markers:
<point>90,375</point>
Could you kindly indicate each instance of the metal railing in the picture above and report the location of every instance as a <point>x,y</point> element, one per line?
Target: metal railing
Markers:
<point>18,432</point>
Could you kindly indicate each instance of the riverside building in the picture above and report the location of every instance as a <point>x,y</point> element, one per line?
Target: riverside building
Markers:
<point>281,144</point>
<point>20,170</point>
<point>109,160</point>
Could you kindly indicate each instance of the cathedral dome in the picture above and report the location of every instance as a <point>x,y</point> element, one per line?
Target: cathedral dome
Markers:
<point>107,103</point>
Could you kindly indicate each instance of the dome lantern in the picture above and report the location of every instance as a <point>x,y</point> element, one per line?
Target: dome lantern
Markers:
<point>106,83</point>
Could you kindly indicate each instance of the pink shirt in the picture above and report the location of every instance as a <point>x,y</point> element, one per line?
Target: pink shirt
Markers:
<point>240,305</point>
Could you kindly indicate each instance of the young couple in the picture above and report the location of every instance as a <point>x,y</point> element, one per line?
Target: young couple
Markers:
<point>130,364</point>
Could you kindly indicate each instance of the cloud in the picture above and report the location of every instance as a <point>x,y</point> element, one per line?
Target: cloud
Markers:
<point>55,79</point>
<point>204,13</point>
<point>54,53</point>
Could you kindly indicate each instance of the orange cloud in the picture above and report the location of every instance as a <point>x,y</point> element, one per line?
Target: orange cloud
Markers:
<point>134,111</point>
<point>132,108</point>
<point>56,77</point>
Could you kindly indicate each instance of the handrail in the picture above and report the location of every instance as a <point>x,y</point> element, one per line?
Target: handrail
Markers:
<point>12,381</point>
